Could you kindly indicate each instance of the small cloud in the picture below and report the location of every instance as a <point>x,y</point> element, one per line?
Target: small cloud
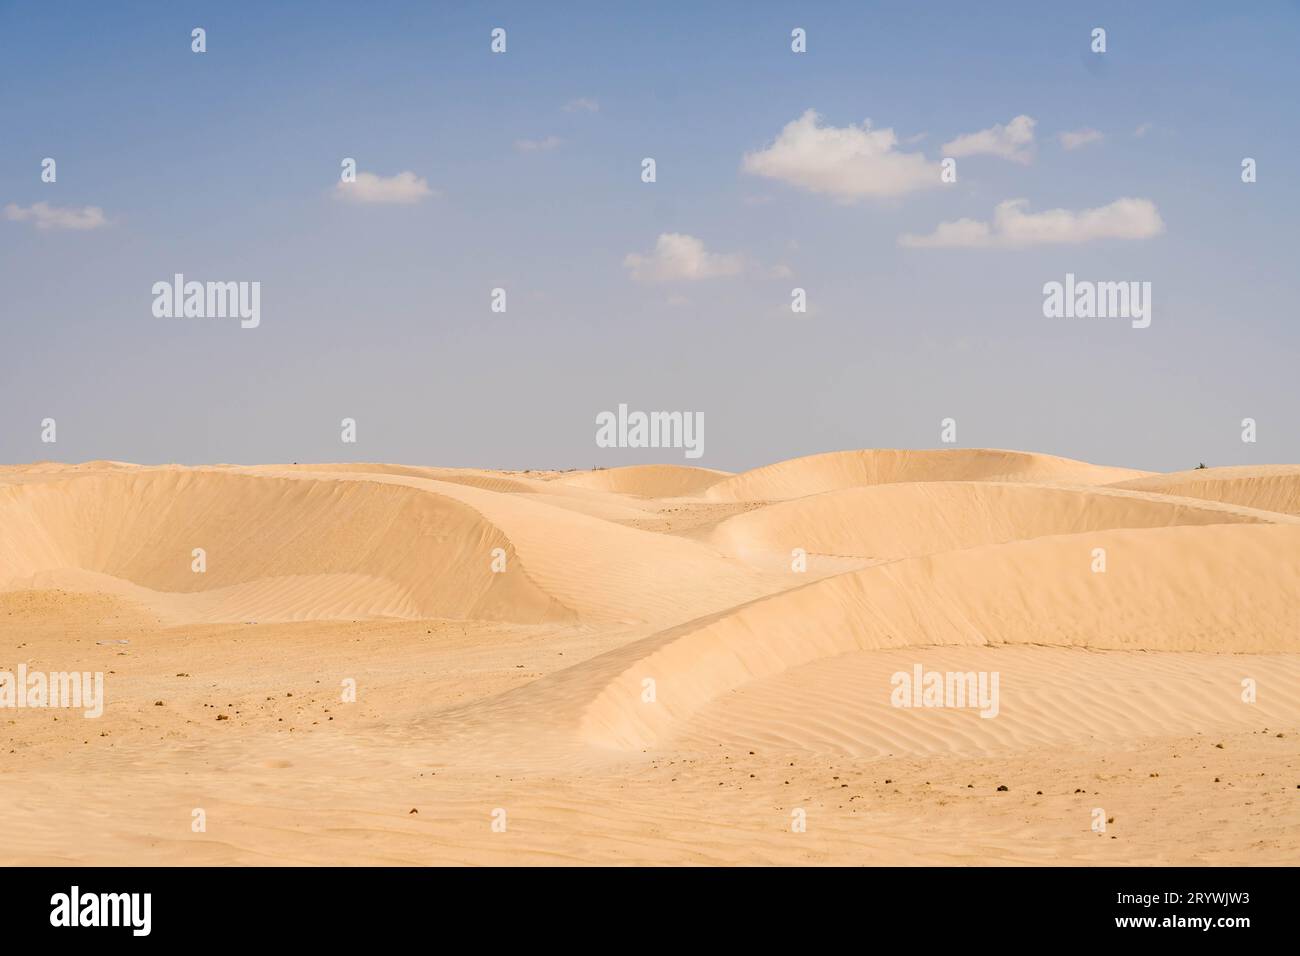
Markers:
<point>1142,130</point>
<point>403,188</point>
<point>1014,141</point>
<point>45,216</point>
<point>681,257</point>
<point>778,271</point>
<point>1013,227</point>
<point>583,104</point>
<point>849,163</point>
<point>537,145</point>
<point>678,301</point>
<point>1074,139</point>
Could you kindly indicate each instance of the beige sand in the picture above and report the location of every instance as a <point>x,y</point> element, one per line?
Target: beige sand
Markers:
<point>656,664</point>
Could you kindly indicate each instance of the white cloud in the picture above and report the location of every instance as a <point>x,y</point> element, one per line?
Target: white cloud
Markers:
<point>45,216</point>
<point>849,163</point>
<point>583,104</point>
<point>678,256</point>
<point>1142,130</point>
<point>1014,141</point>
<point>1013,226</point>
<point>537,145</point>
<point>405,187</point>
<point>1073,139</point>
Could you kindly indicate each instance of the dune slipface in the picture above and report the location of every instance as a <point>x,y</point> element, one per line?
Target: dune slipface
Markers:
<point>935,656</point>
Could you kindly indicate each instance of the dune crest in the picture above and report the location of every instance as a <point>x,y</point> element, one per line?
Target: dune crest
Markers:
<point>647,481</point>
<point>909,519</point>
<point>1268,487</point>
<point>1162,591</point>
<point>273,548</point>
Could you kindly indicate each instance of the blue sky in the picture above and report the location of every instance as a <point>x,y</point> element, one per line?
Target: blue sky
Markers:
<point>224,165</point>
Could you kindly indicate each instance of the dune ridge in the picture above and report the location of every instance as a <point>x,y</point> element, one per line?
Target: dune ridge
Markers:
<point>1266,487</point>
<point>909,519</point>
<point>142,527</point>
<point>1160,592</point>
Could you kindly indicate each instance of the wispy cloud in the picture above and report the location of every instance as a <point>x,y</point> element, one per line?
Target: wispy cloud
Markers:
<point>583,104</point>
<point>45,216</point>
<point>677,256</point>
<point>850,163</point>
<point>1142,130</point>
<point>1074,139</point>
<point>403,188</point>
<point>1013,141</point>
<point>537,145</point>
<point>1013,227</point>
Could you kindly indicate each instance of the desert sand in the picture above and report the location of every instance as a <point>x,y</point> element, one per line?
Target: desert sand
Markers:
<point>654,664</point>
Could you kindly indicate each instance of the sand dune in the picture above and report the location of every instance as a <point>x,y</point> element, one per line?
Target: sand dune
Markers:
<point>1268,487</point>
<point>890,521</point>
<point>1162,591</point>
<point>632,664</point>
<point>432,543</point>
<point>275,548</point>
<point>848,469</point>
<point>647,481</point>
